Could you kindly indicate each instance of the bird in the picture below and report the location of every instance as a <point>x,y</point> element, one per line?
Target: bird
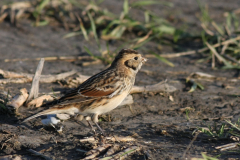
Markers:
<point>102,92</point>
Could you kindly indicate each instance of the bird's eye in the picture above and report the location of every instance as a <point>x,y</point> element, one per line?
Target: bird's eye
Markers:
<point>136,58</point>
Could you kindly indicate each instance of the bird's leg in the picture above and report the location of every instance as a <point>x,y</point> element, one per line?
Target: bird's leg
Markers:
<point>95,120</point>
<point>88,120</point>
<point>99,128</point>
<point>80,117</point>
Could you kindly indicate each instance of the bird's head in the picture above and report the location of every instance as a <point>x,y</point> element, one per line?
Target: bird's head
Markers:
<point>129,59</point>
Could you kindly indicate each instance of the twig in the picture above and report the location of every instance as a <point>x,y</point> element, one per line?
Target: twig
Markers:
<point>35,82</point>
<point>213,60</point>
<point>227,30</point>
<point>159,87</point>
<point>122,155</point>
<point>52,93</point>
<point>37,102</point>
<point>207,30</point>
<point>230,58</point>
<point>39,154</point>
<point>215,53</point>
<point>18,100</point>
<point>61,58</point>
<point>204,76</point>
<point>18,80</point>
<point>141,39</point>
<point>122,139</point>
<point>225,46</point>
<point>3,16</point>
<point>227,146</point>
<point>174,55</point>
<point>53,78</point>
<point>8,74</point>
<point>25,78</point>
<point>87,139</point>
<point>97,61</point>
<point>112,150</point>
<point>220,31</point>
<point>190,144</point>
<point>94,152</point>
<point>235,138</point>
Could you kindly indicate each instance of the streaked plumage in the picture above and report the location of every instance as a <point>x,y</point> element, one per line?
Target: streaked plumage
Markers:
<point>102,92</point>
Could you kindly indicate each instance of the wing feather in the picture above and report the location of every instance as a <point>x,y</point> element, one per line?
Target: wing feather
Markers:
<point>106,83</point>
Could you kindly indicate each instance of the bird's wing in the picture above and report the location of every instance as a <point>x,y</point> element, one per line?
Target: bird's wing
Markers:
<point>106,83</point>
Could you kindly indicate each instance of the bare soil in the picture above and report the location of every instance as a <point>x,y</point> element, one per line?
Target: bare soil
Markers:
<point>157,120</point>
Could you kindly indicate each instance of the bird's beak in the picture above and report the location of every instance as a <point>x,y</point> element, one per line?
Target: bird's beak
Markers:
<point>144,59</point>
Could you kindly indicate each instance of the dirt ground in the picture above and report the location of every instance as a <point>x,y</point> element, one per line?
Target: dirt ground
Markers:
<point>161,125</point>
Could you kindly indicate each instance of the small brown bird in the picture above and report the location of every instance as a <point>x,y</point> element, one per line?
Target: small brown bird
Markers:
<point>102,92</point>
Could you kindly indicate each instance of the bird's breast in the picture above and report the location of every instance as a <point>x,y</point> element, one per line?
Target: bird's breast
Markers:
<point>104,105</point>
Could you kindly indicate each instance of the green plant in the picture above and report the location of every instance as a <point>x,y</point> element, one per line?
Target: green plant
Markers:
<point>116,26</point>
<point>205,157</point>
<point>219,132</point>
<point>226,34</point>
<point>204,17</point>
<point>235,129</point>
<point>187,114</point>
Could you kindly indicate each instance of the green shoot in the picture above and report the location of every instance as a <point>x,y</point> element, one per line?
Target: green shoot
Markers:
<point>205,157</point>
<point>164,60</point>
<point>187,114</point>
<point>94,29</point>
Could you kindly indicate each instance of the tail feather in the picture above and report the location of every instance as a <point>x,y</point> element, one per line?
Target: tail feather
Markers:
<point>46,112</point>
<point>54,110</point>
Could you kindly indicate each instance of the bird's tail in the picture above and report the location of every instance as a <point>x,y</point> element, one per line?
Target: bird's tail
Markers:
<point>54,110</point>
